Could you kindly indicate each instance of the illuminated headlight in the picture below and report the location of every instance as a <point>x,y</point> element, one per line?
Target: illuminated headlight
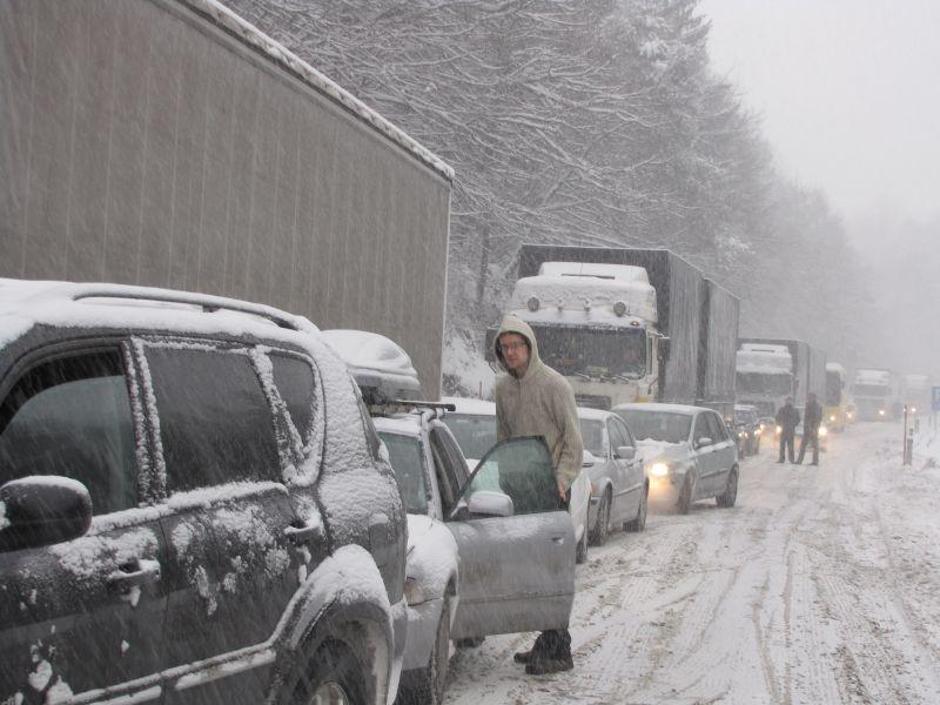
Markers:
<point>849,415</point>
<point>620,308</point>
<point>881,412</point>
<point>913,409</point>
<point>823,431</point>
<point>762,427</point>
<point>779,430</point>
<point>414,593</point>
<point>832,418</point>
<point>533,303</point>
<point>659,469</point>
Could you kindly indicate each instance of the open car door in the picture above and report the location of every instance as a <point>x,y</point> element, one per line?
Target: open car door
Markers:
<point>516,544</point>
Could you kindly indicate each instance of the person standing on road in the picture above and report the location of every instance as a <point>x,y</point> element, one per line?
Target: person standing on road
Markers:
<point>812,417</point>
<point>532,399</point>
<point>788,418</point>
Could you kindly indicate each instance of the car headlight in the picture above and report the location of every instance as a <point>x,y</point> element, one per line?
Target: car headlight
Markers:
<point>913,409</point>
<point>779,430</point>
<point>414,593</point>
<point>659,469</point>
<point>881,412</point>
<point>832,418</point>
<point>823,431</point>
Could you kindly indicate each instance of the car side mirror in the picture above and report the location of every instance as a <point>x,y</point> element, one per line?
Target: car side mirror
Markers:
<point>703,441</point>
<point>626,452</point>
<point>488,503</point>
<point>41,510</point>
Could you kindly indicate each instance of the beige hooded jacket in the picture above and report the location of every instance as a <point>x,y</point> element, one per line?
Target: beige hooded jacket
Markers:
<point>540,403</point>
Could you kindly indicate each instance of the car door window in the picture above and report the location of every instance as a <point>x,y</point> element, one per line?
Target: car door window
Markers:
<point>296,384</point>
<point>72,417</point>
<point>451,470</point>
<point>618,435</point>
<point>215,423</point>
<point>407,459</point>
<point>700,430</point>
<point>522,469</point>
<point>716,428</point>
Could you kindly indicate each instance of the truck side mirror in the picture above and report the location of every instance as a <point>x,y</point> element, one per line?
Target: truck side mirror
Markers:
<point>664,347</point>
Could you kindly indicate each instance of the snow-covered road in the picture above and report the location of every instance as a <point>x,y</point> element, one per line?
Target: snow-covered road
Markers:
<point>821,586</point>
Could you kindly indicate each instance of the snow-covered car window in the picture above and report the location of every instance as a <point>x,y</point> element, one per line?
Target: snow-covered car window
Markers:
<point>592,433</point>
<point>475,434</point>
<point>406,456</point>
<point>72,417</point>
<point>215,422</point>
<point>522,469</point>
<point>295,383</point>
<point>657,425</point>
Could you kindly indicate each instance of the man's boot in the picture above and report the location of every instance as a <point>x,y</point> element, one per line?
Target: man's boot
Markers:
<point>528,656</point>
<point>553,656</point>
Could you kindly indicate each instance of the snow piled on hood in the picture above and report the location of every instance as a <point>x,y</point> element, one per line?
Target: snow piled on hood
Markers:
<point>650,449</point>
<point>432,554</point>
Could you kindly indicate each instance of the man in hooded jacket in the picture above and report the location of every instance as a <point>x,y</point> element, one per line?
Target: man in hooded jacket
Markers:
<point>532,399</point>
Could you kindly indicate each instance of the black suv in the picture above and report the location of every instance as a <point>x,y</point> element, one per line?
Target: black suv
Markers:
<point>193,507</point>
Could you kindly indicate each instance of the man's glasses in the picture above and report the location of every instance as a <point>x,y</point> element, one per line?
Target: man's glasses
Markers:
<point>509,347</point>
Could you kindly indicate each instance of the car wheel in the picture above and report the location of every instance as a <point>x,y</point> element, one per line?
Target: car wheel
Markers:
<point>730,495</point>
<point>639,524</point>
<point>332,676</point>
<point>428,687</point>
<point>685,496</point>
<point>581,551</point>
<point>602,526</point>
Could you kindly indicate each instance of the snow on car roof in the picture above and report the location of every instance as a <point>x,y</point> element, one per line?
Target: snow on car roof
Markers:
<point>476,407</point>
<point>25,303</point>
<point>399,424</point>
<point>661,407</point>
<point>375,361</point>
<point>590,414</point>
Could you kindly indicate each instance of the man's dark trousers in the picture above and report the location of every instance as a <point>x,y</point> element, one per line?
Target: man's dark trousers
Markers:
<point>786,445</point>
<point>809,436</point>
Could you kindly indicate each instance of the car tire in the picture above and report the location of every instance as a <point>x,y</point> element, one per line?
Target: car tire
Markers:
<point>427,688</point>
<point>639,523</point>
<point>685,496</point>
<point>602,526</point>
<point>333,674</point>
<point>730,495</point>
<point>581,551</point>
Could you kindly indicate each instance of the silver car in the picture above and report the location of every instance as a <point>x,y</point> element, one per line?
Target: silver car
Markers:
<point>488,553</point>
<point>619,488</point>
<point>688,451</point>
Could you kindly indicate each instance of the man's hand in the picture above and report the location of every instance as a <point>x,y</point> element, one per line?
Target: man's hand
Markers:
<point>562,490</point>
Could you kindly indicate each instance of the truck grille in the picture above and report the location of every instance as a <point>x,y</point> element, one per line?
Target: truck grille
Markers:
<point>592,401</point>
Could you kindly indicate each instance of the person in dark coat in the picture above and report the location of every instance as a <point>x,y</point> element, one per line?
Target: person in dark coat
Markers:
<point>812,417</point>
<point>788,418</point>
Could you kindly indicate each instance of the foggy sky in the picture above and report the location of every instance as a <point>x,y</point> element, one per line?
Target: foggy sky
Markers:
<point>848,91</point>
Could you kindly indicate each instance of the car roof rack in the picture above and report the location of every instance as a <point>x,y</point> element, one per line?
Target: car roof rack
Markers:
<point>401,406</point>
<point>207,302</point>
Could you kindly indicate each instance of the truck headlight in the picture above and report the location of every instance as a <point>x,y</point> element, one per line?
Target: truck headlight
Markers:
<point>659,469</point>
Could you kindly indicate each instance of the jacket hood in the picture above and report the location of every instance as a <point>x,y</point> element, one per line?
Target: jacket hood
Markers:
<point>514,324</point>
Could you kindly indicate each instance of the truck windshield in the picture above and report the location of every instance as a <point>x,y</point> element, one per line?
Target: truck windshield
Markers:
<point>760,383</point>
<point>404,452</point>
<point>869,390</point>
<point>593,352</point>
<point>657,425</point>
<point>833,389</point>
<point>475,433</point>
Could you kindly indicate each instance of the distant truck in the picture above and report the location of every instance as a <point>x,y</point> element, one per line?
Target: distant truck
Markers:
<point>915,393</point>
<point>628,325</point>
<point>874,393</point>
<point>835,414</point>
<point>771,369</point>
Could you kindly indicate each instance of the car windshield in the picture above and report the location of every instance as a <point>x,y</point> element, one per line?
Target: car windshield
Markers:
<point>593,352</point>
<point>760,383</point>
<point>475,433</point>
<point>743,416</point>
<point>404,452</point>
<point>870,390</point>
<point>592,433</point>
<point>665,426</point>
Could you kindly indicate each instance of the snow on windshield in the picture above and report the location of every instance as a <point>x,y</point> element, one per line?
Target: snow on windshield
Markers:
<point>657,425</point>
